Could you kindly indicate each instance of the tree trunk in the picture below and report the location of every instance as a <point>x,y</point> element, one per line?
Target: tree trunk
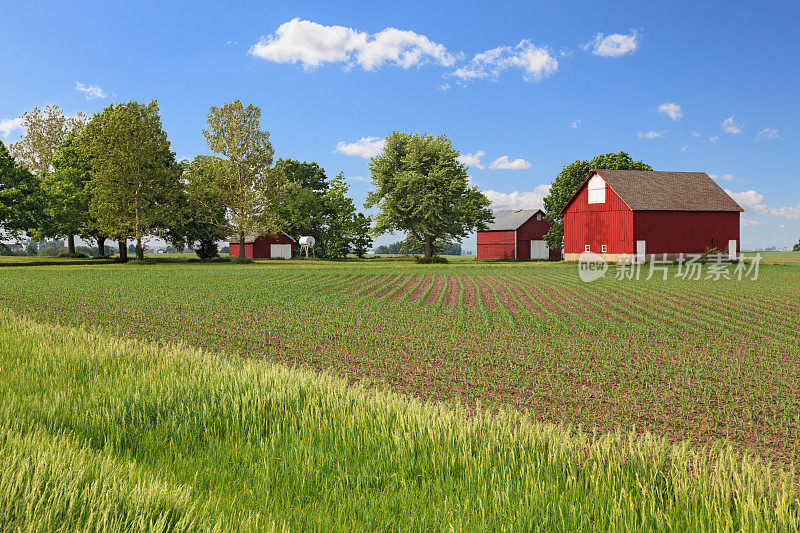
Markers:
<point>241,245</point>
<point>139,248</point>
<point>428,247</point>
<point>123,250</point>
<point>71,244</point>
<point>101,247</point>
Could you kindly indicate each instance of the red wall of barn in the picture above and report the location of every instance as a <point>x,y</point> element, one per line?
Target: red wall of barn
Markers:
<point>533,230</point>
<point>685,231</point>
<point>260,248</point>
<point>609,223</point>
<point>496,245</point>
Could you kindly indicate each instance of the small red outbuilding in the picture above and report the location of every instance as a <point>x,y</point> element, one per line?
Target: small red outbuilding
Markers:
<point>263,246</point>
<point>516,235</point>
<point>634,213</point>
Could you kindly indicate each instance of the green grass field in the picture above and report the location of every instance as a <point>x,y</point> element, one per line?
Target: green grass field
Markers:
<point>532,396</point>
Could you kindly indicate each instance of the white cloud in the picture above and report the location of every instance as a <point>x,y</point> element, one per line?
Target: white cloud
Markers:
<point>712,140</point>
<point>695,134</point>
<point>614,45</point>
<point>312,44</point>
<point>361,179</point>
<point>651,134</point>
<point>91,92</point>
<point>684,147</point>
<point>574,124</point>
<point>536,63</point>
<point>472,160</point>
<point>723,177</point>
<point>365,147</point>
<point>729,126</point>
<point>8,125</point>
<point>753,202</point>
<point>231,43</point>
<point>506,163</point>
<point>444,86</point>
<point>518,200</point>
<point>672,110</point>
<point>748,222</point>
<point>768,134</point>
<point>782,226</point>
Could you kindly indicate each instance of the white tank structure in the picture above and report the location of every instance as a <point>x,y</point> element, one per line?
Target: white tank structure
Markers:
<point>306,244</point>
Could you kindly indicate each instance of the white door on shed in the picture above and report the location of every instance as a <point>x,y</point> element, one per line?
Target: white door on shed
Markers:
<point>640,251</point>
<point>277,251</point>
<point>539,250</point>
<point>732,249</point>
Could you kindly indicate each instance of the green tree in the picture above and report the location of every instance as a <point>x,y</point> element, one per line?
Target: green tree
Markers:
<point>420,188</point>
<point>361,240</point>
<point>21,198</point>
<point>340,220</point>
<point>569,180</point>
<point>194,226</point>
<point>135,178</point>
<point>242,181</point>
<point>68,192</point>
<point>45,131</point>
<point>303,210</point>
<point>796,247</point>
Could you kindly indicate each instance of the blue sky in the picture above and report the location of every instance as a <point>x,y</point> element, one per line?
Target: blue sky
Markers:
<point>530,87</point>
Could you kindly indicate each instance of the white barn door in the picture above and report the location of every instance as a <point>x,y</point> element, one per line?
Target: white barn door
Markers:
<point>732,249</point>
<point>539,250</point>
<point>641,251</point>
<point>278,251</point>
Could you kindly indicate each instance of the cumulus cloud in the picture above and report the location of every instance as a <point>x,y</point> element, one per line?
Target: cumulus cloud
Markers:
<point>753,202</point>
<point>9,125</point>
<point>723,177</point>
<point>506,163</point>
<point>361,179</point>
<point>312,45</point>
<point>518,199</point>
<point>91,92</point>
<point>672,110</point>
<point>614,45</point>
<point>729,125</point>
<point>365,147</point>
<point>768,134</point>
<point>472,160</point>
<point>536,63</point>
<point>651,134</point>
<point>574,124</point>
<point>712,140</point>
<point>748,222</point>
<point>684,147</point>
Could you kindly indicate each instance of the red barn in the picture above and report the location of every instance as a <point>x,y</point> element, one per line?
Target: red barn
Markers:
<point>516,235</point>
<point>635,213</point>
<point>263,246</point>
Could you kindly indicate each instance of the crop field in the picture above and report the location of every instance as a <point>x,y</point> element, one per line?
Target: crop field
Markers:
<point>701,361</point>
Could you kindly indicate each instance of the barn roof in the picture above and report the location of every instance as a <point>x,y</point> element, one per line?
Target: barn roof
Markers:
<point>650,190</point>
<point>250,238</point>
<point>511,220</point>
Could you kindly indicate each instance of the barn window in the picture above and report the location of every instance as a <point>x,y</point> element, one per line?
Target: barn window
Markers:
<point>605,248</point>
<point>597,190</point>
<point>538,216</point>
<point>587,248</point>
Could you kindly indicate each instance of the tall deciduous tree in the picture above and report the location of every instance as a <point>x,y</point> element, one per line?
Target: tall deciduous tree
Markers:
<point>45,130</point>
<point>567,182</point>
<point>421,188</point>
<point>242,181</point>
<point>303,210</point>
<point>361,240</point>
<point>21,197</point>
<point>135,178</point>
<point>340,220</point>
<point>67,192</point>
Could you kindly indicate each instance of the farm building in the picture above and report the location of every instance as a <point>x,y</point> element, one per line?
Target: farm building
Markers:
<point>635,213</point>
<point>263,246</point>
<point>516,235</point>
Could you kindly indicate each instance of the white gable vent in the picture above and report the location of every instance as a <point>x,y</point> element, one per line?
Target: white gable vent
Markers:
<point>597,190</point>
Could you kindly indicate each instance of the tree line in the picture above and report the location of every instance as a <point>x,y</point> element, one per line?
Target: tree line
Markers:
<point>114,177</point>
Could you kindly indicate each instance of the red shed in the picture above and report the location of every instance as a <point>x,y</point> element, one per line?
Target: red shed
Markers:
<point>634,213</point>
<point>263,246</point>
<point>516,235</point>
